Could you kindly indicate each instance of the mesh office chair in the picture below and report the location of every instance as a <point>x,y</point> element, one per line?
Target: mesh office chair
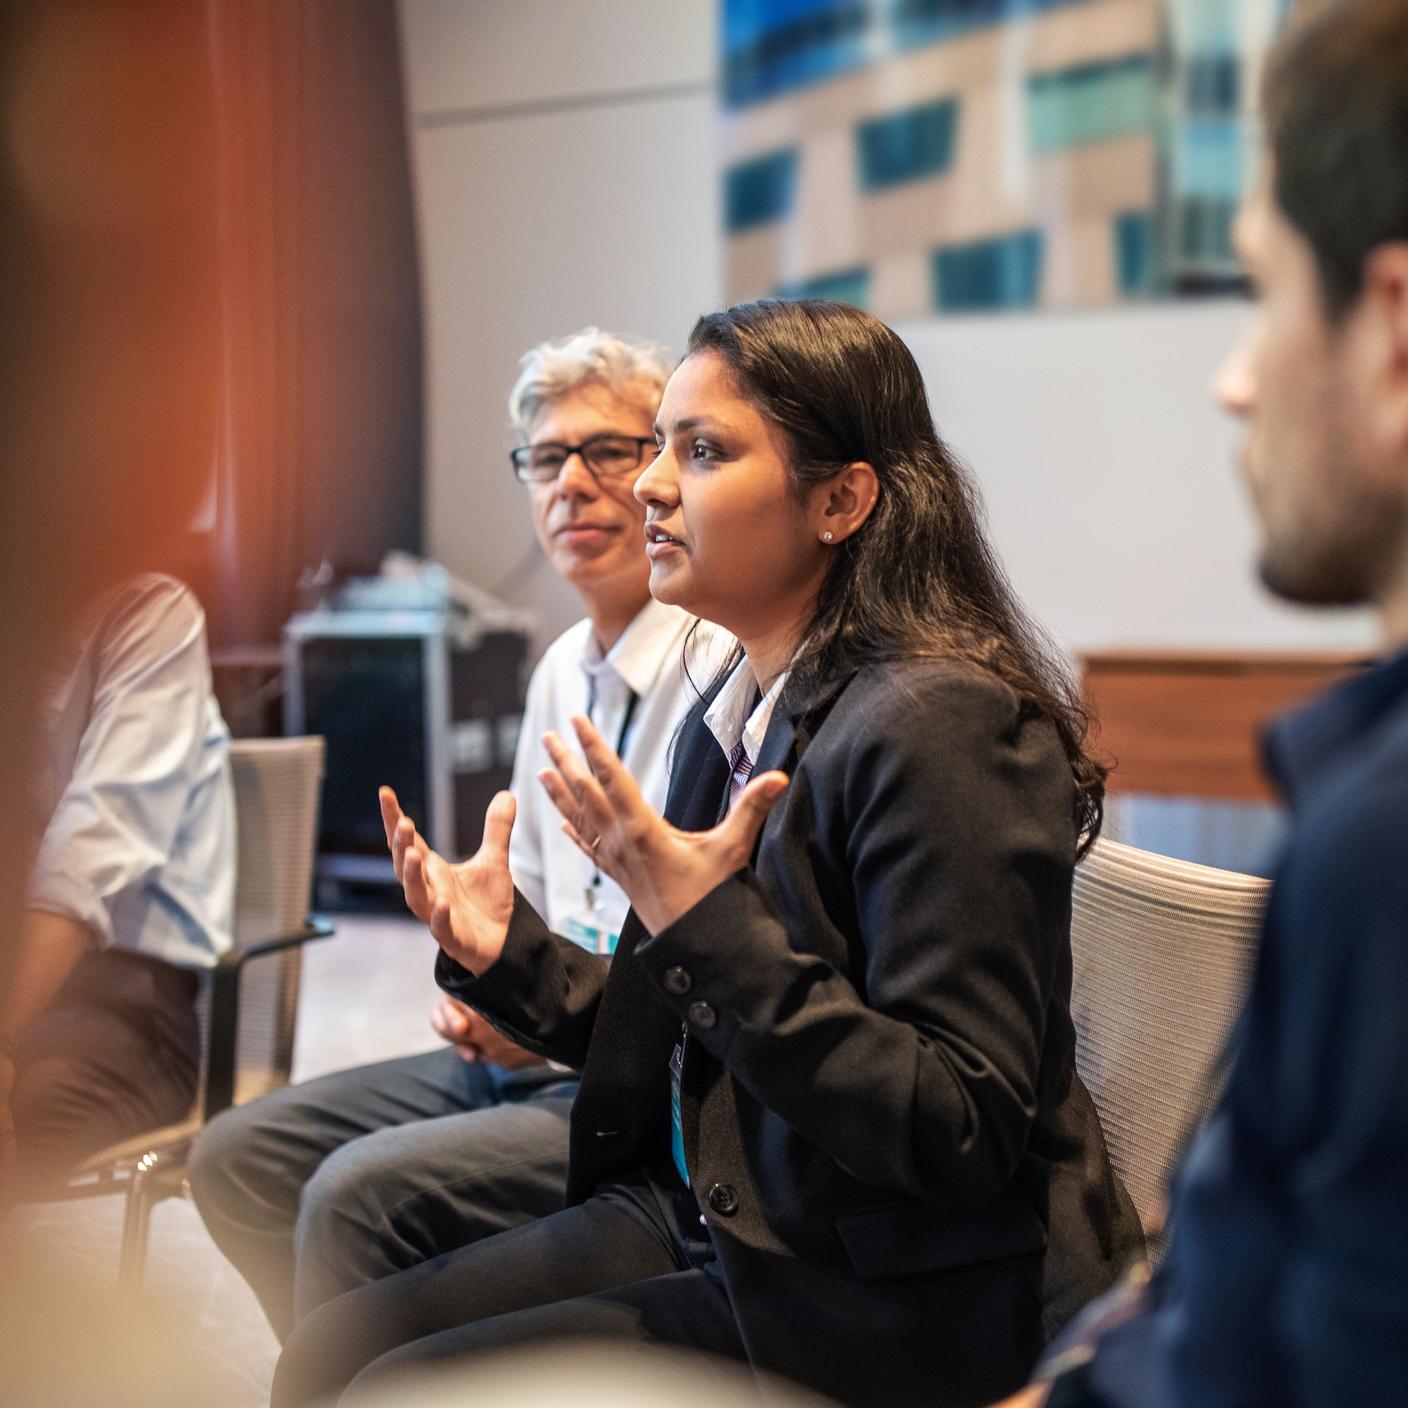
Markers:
<point>1163,952</point>
<point>249,1001</point>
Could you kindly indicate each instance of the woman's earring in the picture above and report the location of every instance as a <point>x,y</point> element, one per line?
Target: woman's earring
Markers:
<point>827,536</point>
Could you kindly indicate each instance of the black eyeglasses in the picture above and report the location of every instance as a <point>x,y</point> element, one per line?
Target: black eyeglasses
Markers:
<point>604,455</point>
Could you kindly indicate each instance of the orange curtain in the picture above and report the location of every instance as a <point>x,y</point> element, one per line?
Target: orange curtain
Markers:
<point>319,454</point>
<point>110,325</point>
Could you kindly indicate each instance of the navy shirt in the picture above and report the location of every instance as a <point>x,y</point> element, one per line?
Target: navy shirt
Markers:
<point>1287,1278</point>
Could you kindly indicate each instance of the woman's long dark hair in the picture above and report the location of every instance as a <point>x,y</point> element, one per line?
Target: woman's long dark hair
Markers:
<point>919,578</point>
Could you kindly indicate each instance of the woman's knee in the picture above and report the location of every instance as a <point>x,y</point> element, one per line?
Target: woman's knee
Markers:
<point>377,1383</point>
<point>305,1372</point>
<point>334,1341</point>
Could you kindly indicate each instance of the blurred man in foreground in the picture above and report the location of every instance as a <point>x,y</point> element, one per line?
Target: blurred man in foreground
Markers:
<point>321,1187</point>
<point>1287,1277</point>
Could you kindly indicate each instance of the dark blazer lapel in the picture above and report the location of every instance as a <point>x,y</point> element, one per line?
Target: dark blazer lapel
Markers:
<point>790,730</point>
<point>624,1083</point>
<point>778,745</point>
<point>698,772</point>
<point>698,782</point>
<point>782,749</point>
<point>698,776</point>
<point>704,1079</point>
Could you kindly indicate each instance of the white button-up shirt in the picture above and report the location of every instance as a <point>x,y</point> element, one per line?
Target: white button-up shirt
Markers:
<point>134,794</point>
<point>651,663</point>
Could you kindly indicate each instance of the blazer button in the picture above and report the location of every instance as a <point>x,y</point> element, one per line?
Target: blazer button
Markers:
<point>723,1198</point>
<point>677,981</point>
<point>703,1016</point>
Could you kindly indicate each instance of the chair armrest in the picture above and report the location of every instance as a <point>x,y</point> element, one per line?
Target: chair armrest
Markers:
<point>219,1090</point>
<point>314,927</point>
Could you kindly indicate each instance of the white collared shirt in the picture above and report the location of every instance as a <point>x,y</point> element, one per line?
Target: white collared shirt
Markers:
<point>134,796</point>
<point>728,718</point>
<point>574,677</point>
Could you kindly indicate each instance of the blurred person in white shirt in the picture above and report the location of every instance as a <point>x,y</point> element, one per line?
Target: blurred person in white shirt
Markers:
<point>132,892</point>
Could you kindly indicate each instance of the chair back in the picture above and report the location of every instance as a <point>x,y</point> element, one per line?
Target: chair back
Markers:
<point>1162,951</point>
<point>278,783</point>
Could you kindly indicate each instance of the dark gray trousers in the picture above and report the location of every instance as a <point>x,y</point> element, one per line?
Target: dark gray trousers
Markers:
<point>324,1186</point>
<point>116,1052</point>
<point>629,1264</point>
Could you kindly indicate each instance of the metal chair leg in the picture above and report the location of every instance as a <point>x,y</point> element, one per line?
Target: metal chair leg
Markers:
<point>142,1196</point>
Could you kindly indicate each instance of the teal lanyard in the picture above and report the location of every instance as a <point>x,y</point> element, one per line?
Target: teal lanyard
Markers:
<point>676,1119</point>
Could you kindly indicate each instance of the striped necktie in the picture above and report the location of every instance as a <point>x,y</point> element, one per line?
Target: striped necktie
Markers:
<point>739,766</point>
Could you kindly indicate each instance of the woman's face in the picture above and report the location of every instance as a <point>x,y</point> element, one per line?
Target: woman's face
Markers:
<point>726,538</point>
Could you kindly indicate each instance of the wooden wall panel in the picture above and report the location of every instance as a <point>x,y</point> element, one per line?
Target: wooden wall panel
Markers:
<point>1188,724</point>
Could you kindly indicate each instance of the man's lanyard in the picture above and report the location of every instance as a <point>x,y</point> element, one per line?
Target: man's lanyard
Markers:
<point>589,895</point>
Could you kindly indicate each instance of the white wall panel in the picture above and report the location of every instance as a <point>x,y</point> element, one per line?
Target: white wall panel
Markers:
<point>1110,474</point>
<point>490,53</point>
<point>536,222</point>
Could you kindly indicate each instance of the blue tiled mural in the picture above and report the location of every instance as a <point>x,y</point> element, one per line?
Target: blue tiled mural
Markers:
<point>924,157</point>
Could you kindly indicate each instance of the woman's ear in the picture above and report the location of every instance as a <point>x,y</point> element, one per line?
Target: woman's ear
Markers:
<point>846,502</point>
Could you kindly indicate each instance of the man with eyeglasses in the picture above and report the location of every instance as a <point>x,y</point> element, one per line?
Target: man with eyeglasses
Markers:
<point>322,1187</point>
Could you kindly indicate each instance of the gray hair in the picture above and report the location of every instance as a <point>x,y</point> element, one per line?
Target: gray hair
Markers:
<point>589,357</point>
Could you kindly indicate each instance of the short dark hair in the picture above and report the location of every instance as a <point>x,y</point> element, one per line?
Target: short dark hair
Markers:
<point>1336,107</point>
<point>919,578</point>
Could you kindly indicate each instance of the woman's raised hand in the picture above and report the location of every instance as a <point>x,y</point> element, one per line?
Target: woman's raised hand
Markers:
<point>663,870</point>
<point>468,905</point>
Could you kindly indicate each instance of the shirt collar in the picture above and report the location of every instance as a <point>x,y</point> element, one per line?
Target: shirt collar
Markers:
<point>728,718</point>
<point>1303,744</point>
<point>643,649</point>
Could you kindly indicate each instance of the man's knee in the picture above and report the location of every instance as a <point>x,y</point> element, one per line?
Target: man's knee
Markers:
<point>347,1189</point>
<point>250,1155</point>
<point>211,1169</point>
<point>345,1236</point>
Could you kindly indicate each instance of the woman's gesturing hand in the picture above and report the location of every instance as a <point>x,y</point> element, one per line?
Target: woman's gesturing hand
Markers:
<point>663,870</point>
<point>468,905</point>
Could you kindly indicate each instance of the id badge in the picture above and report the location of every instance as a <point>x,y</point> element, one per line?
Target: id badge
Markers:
<point>676,1105</point>
<point>587,931</point>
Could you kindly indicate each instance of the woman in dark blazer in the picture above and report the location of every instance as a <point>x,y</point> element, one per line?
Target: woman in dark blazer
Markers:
<point>829,1119</point>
